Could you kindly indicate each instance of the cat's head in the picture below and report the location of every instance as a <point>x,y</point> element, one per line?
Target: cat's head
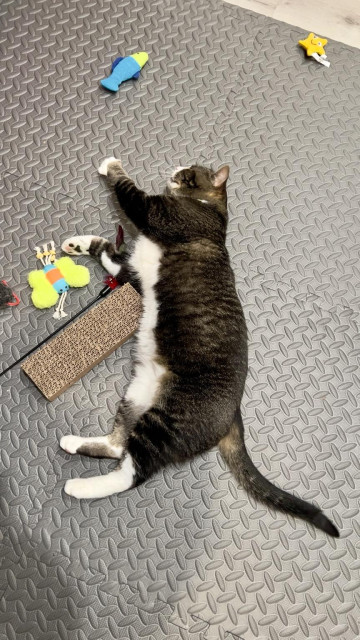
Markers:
<point>199,183</point>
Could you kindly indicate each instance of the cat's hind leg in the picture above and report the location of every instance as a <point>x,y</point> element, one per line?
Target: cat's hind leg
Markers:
<point>100,486</point>
<point>103,250</point>
<point>111,445</point>
<point>98,447</point>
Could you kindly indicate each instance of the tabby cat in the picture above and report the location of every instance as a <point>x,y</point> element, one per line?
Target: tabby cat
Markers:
<point>191,365</point>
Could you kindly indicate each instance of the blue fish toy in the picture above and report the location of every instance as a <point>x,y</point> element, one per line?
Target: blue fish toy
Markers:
<point>123,69</point>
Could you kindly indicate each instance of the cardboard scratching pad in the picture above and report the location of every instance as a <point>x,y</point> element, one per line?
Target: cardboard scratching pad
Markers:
<point>85,343</point>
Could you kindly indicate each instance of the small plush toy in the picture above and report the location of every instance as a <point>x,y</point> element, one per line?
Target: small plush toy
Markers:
<point>55,279</point>
<point>123,69</point>
<point>7,297</point>
<point>314,47</point>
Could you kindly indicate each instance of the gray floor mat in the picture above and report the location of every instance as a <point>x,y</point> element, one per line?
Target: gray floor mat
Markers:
<point>187,555</point>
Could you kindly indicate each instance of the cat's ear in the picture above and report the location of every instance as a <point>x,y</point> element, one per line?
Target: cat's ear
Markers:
<point>221,176</point>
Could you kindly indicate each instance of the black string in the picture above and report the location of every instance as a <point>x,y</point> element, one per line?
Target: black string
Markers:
<point>104,292</point>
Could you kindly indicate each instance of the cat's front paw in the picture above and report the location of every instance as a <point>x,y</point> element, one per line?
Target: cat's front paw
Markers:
<point>103,169</point>
<point>78,245</point>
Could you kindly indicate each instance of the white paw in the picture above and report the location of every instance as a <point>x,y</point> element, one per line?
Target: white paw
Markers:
<point>103,169</point>
<point>71,444</point>
<point>101,486</point>
<point>79,488</point>
<point>77,245</point>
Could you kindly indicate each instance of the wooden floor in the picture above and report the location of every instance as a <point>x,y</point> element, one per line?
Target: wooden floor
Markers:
<point>332,19</point>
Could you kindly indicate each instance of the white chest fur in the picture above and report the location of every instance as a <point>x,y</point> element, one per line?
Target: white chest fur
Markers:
<point>145,260</point>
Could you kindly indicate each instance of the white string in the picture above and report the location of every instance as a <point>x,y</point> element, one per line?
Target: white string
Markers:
<point>321,59</point>
<point>56,313</point>
<point>46,257</point>
<point>38,251</point>
<point>59,311</point>
<point>53,256</point>
<point>63,314</point>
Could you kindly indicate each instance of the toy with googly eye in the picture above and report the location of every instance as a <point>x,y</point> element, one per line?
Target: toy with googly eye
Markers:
<point>314,47</point>
<point>51,283</point>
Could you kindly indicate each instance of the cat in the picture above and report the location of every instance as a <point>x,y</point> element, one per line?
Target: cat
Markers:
<point>192,353</point>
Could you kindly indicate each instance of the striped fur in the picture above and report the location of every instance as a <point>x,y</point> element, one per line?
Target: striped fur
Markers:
<point>191,360</point>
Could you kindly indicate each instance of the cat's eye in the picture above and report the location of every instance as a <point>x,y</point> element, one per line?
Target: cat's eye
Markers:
<point>71,244</point>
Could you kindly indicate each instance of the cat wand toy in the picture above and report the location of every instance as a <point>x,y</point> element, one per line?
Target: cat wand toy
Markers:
<point>104,292</point>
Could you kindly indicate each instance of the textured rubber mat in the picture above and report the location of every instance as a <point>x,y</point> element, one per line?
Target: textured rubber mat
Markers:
<point>187,555</point>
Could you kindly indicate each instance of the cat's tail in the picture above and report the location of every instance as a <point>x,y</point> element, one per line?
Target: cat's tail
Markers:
<point>234,451</point>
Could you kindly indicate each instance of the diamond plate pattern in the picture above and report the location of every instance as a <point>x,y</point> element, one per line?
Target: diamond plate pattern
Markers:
<point>188,555</point>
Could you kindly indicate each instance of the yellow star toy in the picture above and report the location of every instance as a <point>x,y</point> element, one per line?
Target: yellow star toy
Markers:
<point>314,47</point>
